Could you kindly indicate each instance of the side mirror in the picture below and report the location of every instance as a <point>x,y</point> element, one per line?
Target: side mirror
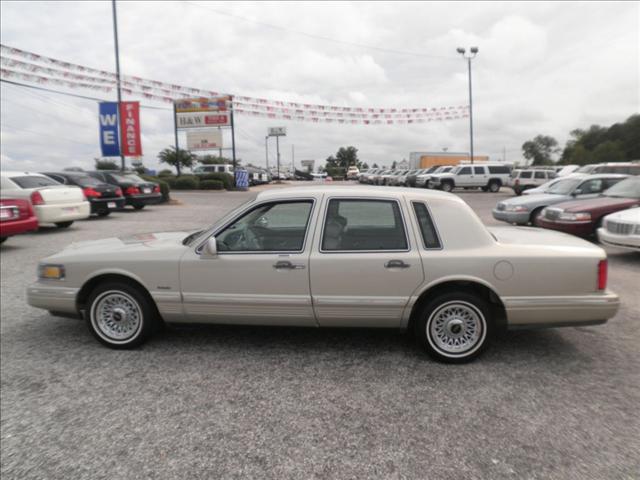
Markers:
<point>577,192</point>
<point>210,249</point>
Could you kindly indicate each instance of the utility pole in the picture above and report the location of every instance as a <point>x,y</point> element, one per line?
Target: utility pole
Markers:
<point>278,154</point>
<point>233,146</point>
<point>220,148</point>
<point>293,160</point>
<point>115,36</point>
<point>175,133</point>
<point>472,53</point>
<point>266,151</point>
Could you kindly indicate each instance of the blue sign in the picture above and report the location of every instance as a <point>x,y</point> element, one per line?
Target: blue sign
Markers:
<point>109,143</point>
<point>242,179</point>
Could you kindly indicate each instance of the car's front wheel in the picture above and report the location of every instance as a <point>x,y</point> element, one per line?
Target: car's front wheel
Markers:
<point>138,207</point>
<point>63,224</point>
<point>447,186</point>
<point>119,315</point>
<point>455,327</point>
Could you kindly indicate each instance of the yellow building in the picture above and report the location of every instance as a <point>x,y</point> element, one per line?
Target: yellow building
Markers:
<point>445,158</point>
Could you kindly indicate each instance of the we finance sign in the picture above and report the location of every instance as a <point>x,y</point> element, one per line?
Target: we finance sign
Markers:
<point>120,130</point>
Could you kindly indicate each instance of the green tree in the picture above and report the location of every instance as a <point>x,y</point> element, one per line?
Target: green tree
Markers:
<point>394,165</point>
<point>540,150</point>
<point>347,156</point>
<point>364,166</point>
<point>375,165</point>
<point>579,156</point>
<point>177,158</point>
<point>106,164</point>
<point>608,152</point>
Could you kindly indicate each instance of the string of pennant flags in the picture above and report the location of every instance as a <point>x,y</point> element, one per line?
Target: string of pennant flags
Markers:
<point>76,76</point>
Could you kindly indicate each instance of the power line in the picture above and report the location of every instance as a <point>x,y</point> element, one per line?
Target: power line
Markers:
<point>319,37</point>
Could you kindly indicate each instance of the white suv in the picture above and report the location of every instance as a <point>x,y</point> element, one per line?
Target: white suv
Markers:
<point>522,180</point>
<point>488,177</point>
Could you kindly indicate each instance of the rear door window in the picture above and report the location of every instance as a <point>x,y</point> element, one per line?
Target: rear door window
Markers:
<point>541,175</point>
<point>478,170</point>
<point>363,225</point>
<point>465,171</point>
<point>526,174</point>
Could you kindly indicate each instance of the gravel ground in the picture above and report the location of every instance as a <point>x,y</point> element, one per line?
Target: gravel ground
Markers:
<point>246,402</point>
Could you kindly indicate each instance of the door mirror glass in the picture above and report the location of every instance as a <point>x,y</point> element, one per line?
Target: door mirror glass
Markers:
<point>211,248</point>
<point>577,191</point>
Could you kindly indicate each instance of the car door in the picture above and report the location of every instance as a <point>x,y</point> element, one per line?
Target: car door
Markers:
<point>480,177</point>
<point>260,274</point>
<point>364,267</point>
<point>464,178</point>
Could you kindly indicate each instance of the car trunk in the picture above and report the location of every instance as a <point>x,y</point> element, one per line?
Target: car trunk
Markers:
<point>61,194</point>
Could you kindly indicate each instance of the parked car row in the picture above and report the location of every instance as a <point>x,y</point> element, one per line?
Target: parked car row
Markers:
<point>30,199</point>
<point>487,176</point>
<point>606,205</point>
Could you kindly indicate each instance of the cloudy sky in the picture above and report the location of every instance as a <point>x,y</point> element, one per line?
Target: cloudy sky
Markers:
<point>546,67</point>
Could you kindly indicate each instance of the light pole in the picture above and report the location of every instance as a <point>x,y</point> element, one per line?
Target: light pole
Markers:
<point>266,151</point>
<point>115,41</point>
<point>473,51</point>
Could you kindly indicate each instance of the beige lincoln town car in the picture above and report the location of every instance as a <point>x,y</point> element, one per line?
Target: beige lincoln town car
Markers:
<point>330,256</point>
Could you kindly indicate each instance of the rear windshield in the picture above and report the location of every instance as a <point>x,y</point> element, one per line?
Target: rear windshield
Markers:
<point>33,181</point>
<point>85,180</point>
<point>127,177</point>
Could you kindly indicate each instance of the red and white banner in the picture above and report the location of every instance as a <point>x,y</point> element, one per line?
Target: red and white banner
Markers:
<point>171,91</point>
<point>130,143</point>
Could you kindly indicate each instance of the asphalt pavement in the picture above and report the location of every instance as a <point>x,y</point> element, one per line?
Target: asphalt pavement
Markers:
<point>250,402</point>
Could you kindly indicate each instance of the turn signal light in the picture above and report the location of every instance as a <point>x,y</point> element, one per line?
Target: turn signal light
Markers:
<point>132,191</point>
<point>90,192</point>
<point>602,275</point>
<point>118,192</point>
<point>36,198</point>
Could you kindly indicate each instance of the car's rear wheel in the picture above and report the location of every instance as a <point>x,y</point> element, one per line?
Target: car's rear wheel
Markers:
<point>138,207</point>
<point>63,224</point>
<point>119,315</point>
<point>455,327</point>
<point>103,213</point>
<point>447,186</point>
<point>494,186</point>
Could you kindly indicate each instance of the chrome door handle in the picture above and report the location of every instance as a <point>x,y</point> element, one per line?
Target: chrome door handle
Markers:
<point>396,264</point>
<point>287,265</point>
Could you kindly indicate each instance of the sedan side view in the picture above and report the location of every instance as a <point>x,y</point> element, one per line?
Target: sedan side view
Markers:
<point>327,256</point>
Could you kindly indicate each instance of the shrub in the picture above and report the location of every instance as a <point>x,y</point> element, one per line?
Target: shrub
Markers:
<point>225,178</point>
<point>165,173</point>
<point>185,183</point>
<point>211,185</point>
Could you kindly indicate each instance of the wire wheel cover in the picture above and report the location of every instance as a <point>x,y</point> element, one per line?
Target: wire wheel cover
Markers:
<point>116,315</point>
<point>456,327</point>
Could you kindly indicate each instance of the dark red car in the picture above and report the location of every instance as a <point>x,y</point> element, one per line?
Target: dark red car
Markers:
<point>583,217</point>
<point>16,216</point>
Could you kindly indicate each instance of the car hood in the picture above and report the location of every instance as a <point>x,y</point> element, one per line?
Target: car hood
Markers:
<point>139,241</point>
<point>597,203</point>
<point>539,199</point>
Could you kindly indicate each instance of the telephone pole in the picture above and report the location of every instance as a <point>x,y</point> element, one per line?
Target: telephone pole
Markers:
<point>115,36</point>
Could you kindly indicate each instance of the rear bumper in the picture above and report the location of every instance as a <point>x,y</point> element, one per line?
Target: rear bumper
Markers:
<point>580,229</point>
<point>630,242</point>
<point>560,311</point>
<point>66,212</point>
<point>102,204</point>
<point>520,218</point>
<point>150,199</point>
<point>15,227</point>
<point>52,297</point>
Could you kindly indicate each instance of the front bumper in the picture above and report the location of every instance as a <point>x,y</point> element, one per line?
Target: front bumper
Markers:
<point>580,229</point>
<point>629,242</point>
<point>520,218</point>
<point>560,311</point>
<point>54,297</point>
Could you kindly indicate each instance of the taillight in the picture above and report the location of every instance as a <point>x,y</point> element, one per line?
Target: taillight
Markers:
<point>90,192</point>
<point>156,189</point>
<point>132,191</point>
<point>118,192</point>
<point>36,198</point>
<point>602,275</point>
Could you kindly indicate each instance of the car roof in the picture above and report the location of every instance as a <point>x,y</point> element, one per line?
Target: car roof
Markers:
<point>20,174</point>
<point>351,191</point>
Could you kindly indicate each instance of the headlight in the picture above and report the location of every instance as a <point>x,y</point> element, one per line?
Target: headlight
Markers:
<point>575,217</point>
<point>516,208</point>
<point>51,272</point>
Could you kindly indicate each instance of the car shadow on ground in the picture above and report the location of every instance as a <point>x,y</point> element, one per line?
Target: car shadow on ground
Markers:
<point>512,347</point>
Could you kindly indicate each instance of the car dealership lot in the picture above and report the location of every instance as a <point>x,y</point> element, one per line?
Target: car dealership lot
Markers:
<point>276,402</point>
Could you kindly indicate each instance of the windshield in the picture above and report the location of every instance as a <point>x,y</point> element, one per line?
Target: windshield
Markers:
<point>192,237</point>
<point>454,170</point>
<point>585,169</point>
<point>34,181</point>
<point>629,188</point>
<point>564,187</point>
